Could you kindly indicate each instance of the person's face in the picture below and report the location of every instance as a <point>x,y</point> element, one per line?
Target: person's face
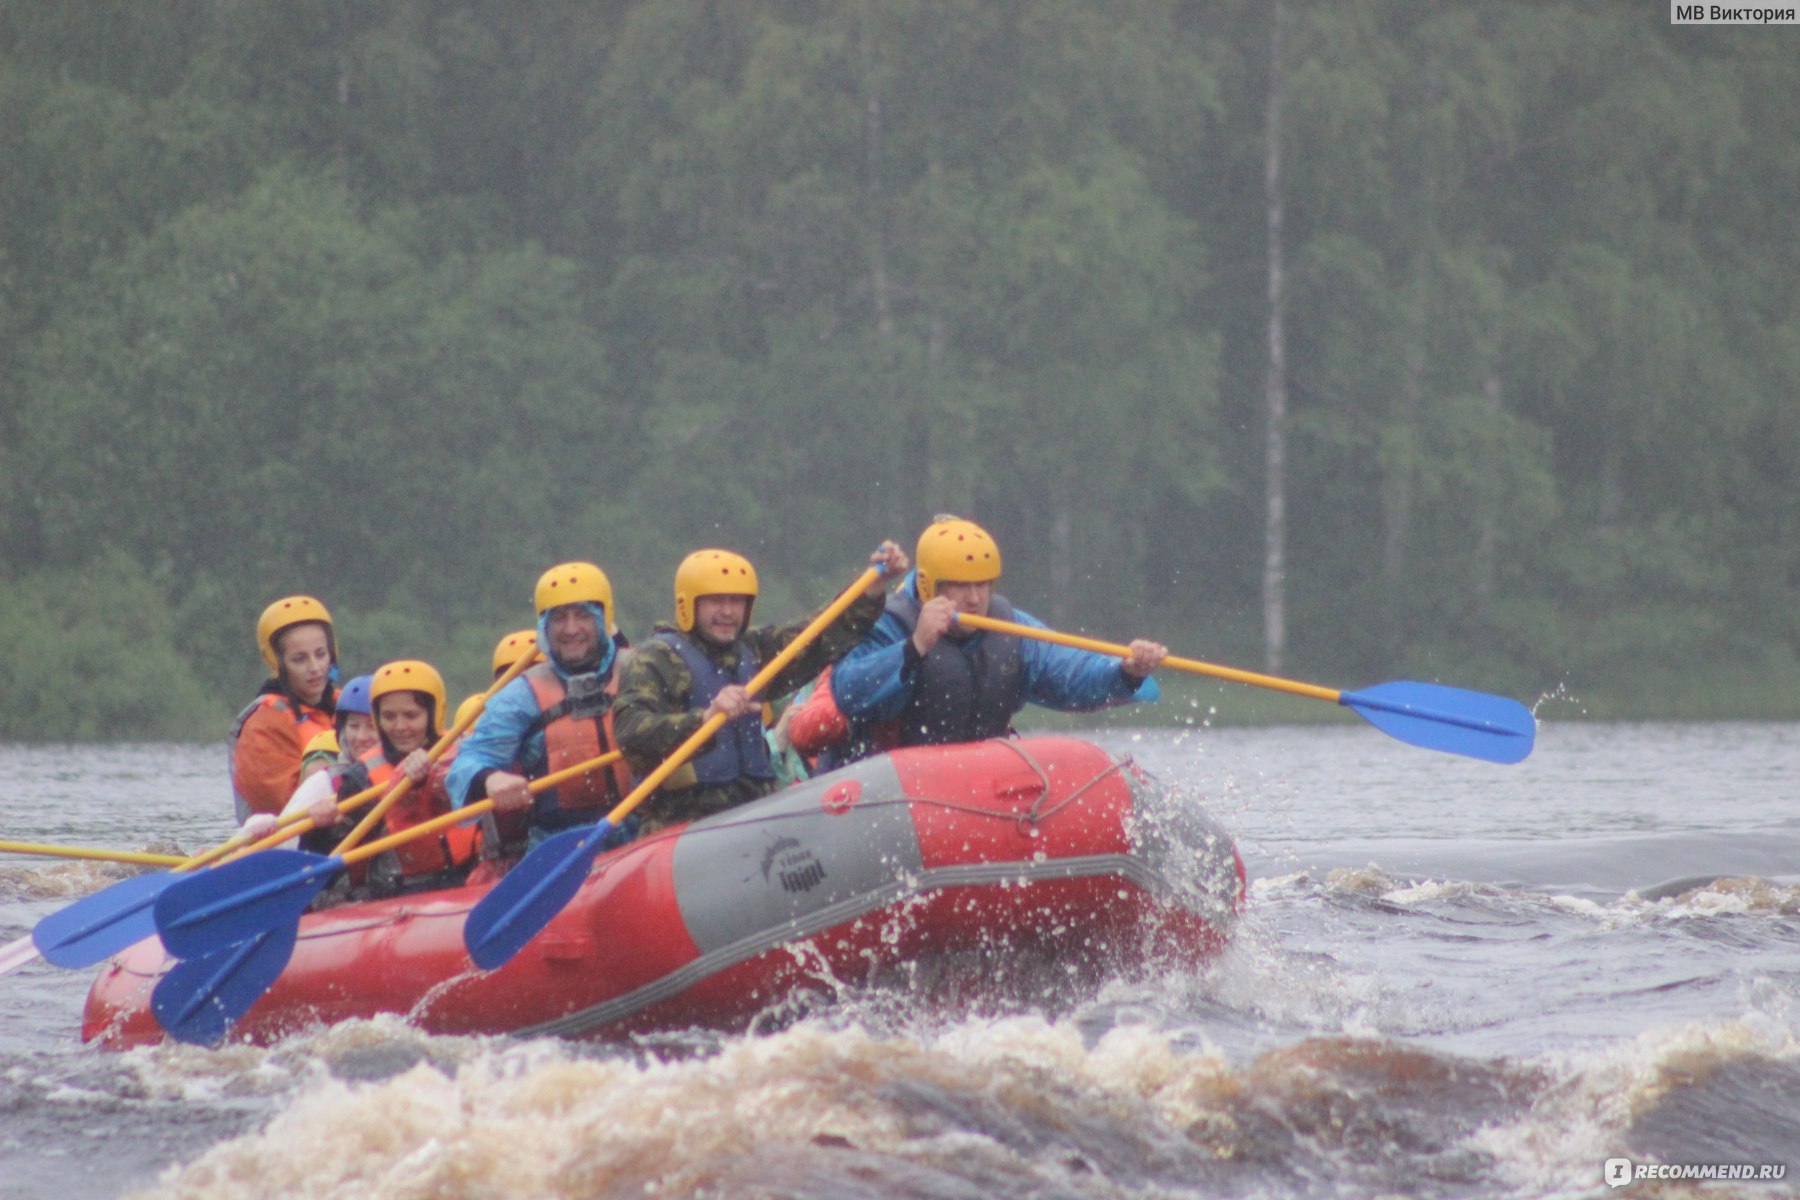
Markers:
<point>305,655</point>
<point>574,634</point>
<point>971,598</point>
<point>404,719</point>
<point>359,734</point>
<point>721,618</point>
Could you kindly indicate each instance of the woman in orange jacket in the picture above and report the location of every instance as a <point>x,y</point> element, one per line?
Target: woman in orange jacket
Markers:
<point>293,706</point>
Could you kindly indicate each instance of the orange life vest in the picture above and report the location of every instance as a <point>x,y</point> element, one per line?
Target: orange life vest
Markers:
<point>569,740</point>
<point>308,722</point>
<point>452,847</point>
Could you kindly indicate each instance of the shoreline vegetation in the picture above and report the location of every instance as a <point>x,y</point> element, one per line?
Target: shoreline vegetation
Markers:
<point>1385,340</point>
<point>1723,695</point>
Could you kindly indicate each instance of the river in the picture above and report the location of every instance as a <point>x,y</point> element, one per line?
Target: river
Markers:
<point>1452,979</point>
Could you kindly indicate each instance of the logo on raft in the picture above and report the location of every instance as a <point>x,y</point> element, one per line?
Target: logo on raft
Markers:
<point>841,797</point>
<point>796,867</point>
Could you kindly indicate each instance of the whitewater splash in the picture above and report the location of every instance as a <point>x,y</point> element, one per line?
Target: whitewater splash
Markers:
<point>1014,1106</point>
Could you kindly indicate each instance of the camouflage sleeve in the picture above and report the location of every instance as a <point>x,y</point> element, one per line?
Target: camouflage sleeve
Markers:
<point>833,644</point>
<point>651,717</point>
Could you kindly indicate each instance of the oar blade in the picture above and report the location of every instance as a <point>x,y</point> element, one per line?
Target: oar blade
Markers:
<point>209,910</point>
<point>530,895</point>
<point>17,953</point>
<point>1454,720</point>
<point>97,927</point>
<point>200,999</point>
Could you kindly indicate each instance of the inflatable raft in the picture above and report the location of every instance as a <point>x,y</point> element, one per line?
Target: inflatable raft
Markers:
<point>963,858</point>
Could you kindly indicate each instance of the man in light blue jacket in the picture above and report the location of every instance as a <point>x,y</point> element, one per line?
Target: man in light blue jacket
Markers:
<point>557,714</point>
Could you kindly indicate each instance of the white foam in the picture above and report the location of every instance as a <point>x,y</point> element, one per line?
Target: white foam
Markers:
<point>1582,1114</point>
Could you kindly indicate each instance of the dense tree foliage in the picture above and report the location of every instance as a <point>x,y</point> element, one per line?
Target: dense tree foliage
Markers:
<point>398,303</point>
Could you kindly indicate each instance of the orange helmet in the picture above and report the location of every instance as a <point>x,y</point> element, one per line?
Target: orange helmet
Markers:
<point>284,614</point>
<point>410,675</point>
<point>710,573</point>
<point>952,550</point>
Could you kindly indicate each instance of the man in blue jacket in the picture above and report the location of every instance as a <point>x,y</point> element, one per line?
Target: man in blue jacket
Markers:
<point>555,715</point>
<point>918,678</point>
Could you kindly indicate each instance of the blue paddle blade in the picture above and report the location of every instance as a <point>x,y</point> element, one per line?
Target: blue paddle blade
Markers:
<point>530,895</point>
<point>202,998</point>
<point>210,910</point>
<point>97,927</point>
<point>1453,720</point>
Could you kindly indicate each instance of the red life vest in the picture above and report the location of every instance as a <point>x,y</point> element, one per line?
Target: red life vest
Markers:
<point>569,740</point>
<point>452,847</point>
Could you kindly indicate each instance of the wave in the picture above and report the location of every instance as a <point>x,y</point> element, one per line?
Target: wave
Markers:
<point>1018,1106</point>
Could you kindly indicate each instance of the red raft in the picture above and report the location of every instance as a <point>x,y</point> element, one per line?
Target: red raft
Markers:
<point>966,858</point>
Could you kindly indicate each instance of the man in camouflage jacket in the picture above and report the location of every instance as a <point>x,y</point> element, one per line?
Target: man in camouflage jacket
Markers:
<point>687,671</point>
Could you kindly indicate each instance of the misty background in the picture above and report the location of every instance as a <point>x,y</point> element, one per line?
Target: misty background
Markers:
<point>1351,340</point>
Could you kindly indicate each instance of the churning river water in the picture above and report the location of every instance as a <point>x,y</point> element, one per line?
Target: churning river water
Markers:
<point>1452,979</point>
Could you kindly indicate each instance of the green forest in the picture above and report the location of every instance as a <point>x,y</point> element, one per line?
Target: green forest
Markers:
<point>1343,339</point>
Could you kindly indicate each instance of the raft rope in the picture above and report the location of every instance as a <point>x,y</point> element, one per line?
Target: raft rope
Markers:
<point>1036,814</point>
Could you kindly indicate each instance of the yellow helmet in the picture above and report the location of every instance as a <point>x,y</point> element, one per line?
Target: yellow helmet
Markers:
<point>322,743</point>
<point>710,573</point>
<point>468,706</point>
<point>508,649</point>
<point>575,583</point>
<point>409,675</point>
<point>952,550</point>
<point>283,614</point>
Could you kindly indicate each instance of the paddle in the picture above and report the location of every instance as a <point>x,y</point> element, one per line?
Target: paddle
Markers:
<point>236,925</point>
<point>17,953</point>
<point>456,730</point>
<point>1431,715</point>
<point>538,888</point>
<point>99,926</point>
<point>205,913</point>
<point>200,999</point>
<point>139,857</point>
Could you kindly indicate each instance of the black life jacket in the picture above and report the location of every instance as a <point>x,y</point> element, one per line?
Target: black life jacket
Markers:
<point>738,750</point>
<point>967,689</point>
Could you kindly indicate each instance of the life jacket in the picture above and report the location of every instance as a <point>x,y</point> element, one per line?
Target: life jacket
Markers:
<point>738,750</point>
<point>576,727</point>
<point>309,722</point>
<point>451,848</point>
<point>966,690</point>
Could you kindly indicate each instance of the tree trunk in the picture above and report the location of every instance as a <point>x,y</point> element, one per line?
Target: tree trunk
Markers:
<point>1062,562</point>
<point>1487,518</point>
<point>1275,388</point>
<point>1402,438</point>
<point>891,508</point>
<point>877,223</point>
<point>1401,443</point>
<point>342,132</point>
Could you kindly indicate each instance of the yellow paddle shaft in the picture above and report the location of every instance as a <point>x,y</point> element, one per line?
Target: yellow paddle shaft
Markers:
<point>142,858</point>
<point>1193,665</point>
<point>456,730</point>
<point>298,824</point>
<point>470,811</point>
